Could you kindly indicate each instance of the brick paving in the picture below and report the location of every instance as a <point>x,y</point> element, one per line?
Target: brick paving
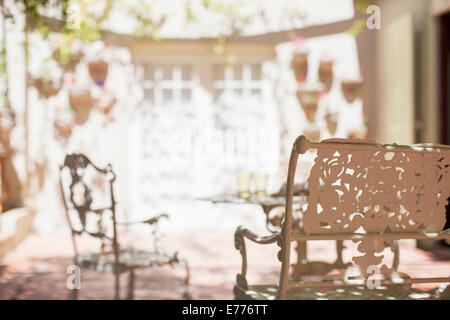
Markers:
<point>36,269</point>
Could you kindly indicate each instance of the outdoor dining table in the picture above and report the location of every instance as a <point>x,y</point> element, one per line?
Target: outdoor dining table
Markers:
<point>274,222</point>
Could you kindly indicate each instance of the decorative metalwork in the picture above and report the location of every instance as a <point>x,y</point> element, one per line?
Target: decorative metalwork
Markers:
<point>79,199</point>
<point>371,194</point>
<point>380,190</point>
<point>239,243</point>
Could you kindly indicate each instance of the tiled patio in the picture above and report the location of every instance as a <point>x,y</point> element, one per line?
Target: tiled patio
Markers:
<point>36,269</point>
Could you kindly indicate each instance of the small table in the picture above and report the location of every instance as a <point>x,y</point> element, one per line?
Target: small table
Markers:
<point>267,203</point>
<point>274,223</point>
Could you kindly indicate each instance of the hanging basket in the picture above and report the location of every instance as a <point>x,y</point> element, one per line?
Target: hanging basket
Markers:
<point>308,96</point>
<point>352,89</point>
<point>63,127</point>
<point>312,132</point>
<point>70,64</point>
<point>326,73</point>
<point>105,103</point>
<point>332,122</point>
<point>98,71</point>
<point>299,65</point>
<point>81,103</point>
<point>358,134</point>
<point>45,87</point>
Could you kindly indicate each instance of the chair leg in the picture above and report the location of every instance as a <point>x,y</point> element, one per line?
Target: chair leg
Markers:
<point>186,294</point>
<point>395,249</point>
<point>339,248</point>
<point>117,285</point>
<point>73,294</point>
<point>131,285</point>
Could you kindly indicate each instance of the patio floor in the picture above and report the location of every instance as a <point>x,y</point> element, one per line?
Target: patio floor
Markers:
<point>36,269</point>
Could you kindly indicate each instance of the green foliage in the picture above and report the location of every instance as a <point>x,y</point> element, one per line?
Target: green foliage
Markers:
<point>362,5</point>
<point>356,27</point>
<point>45,69</point>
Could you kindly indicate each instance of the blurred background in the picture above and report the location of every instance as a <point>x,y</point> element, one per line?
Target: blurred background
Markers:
<point>182,97</point>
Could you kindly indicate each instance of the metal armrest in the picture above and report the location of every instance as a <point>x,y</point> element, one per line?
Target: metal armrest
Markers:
<point>239,243</point>
<point>246,233</point>
<point>150,221</point>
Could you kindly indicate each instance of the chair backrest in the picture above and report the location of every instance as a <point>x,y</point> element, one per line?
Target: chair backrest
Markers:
<point>358,186</point>
<point>88,198</point>
<point>378,188</point>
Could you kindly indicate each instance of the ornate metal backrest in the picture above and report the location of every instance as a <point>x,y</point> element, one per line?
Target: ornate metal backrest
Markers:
<point>376,187</point>
<point>82,184</point>
<point>358,186</point>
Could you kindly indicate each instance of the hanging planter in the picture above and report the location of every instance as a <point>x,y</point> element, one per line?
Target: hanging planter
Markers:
<point>312,132</point>
<point>308,96</point>
<point>63,129</point>
<point>98,71</point>
<point>45,87</point>
<point>352,89</point>
<point>299,65</point>
<point>332,122</point>
<point>105,103</point>
<point>81,103</point>
<point>67,64</point>
<point>63,125</point>
<point>358,134</point>
<point>326,73</point>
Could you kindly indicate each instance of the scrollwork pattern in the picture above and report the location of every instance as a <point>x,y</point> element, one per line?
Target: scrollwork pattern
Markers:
<point>384,190</point>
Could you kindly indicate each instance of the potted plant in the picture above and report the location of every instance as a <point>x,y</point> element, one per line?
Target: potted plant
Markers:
<point>105,103</point>
<point>360,133</point>
<point>45,87</point>
<point>352,89</point>
<point>312,132</point>
<point>300,64</point>
<point>332,122</point>
<point>63,123</point>
<point>81,102</point>
<point>98,70</point>
<point>308,96</point>
<point>326,73</point>
<point>67,61</point>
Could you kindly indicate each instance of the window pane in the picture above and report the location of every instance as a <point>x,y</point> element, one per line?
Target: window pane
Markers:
<point>219,72</point>
<point>217,93</point>
<point>256,92</point>
<point>185,95</point>
<point>237,92</point>
<point>256,72</point>
<point>186,73</point>
<point>237,72</point>
<point>167,96</point>
<point>149,95</point>
<point>148,72</point>
<point>164,72</point>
